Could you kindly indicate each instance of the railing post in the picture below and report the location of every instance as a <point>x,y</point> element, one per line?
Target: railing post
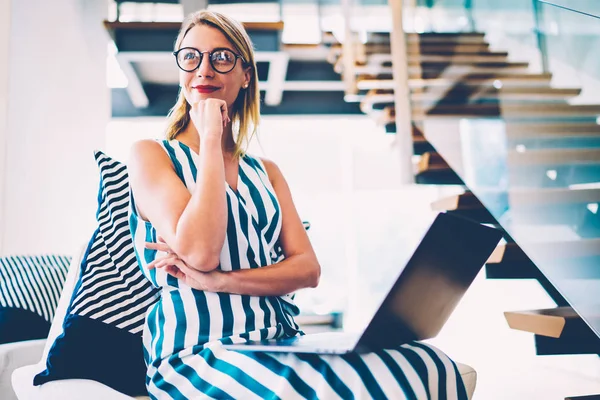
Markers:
<point>403,143</point>
<point>348,49</point>
<point>469,12</point>
<point>539,35</point>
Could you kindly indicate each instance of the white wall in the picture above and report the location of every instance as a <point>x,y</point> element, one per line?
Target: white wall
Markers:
<point>58,108</point>
<point>4,42</point>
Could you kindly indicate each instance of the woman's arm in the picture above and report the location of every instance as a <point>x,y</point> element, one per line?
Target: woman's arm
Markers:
<point>194,226</point>
<point>300,269</point>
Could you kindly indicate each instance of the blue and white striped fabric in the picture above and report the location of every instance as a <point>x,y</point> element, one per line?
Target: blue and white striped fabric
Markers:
<point>186,327</point>
<point>33,283</point>
<point>111,287</point>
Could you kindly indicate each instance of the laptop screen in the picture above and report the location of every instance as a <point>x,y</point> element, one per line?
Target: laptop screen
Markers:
<point>432,283</point>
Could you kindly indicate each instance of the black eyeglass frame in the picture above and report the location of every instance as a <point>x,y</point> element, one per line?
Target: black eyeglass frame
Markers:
<point>210,53</point>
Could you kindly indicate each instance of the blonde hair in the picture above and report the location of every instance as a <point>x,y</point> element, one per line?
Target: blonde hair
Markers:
<point>246,108</point>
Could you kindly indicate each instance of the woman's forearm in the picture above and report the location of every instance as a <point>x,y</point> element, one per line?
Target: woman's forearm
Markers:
<point>293,273</point>
<point>201,229</point>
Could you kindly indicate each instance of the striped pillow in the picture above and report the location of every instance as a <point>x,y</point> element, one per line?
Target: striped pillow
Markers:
<point>102,331</point>
<point>112,288</point>
<point>30,287</point>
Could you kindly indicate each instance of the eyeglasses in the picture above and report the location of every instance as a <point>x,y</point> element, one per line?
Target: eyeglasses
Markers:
<point>221,60</point>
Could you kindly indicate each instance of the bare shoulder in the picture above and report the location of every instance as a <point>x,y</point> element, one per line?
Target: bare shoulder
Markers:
<point>273,170</point>
<point>147,151</point>
<point>143,147</point>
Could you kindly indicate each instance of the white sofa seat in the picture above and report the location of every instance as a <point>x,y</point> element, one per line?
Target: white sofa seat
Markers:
<point>13,356</point>
<point>25,353</point>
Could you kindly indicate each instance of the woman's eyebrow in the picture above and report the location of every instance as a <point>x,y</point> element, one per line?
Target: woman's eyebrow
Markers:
<point>210,51</point>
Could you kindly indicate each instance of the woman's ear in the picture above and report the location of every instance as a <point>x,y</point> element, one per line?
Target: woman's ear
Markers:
<point>247,77</point>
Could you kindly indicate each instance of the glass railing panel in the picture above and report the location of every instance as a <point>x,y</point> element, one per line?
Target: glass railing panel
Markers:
<point>534,161</point>
<point>546,198</point>
<point>590,7</point>
<point>569,40</point>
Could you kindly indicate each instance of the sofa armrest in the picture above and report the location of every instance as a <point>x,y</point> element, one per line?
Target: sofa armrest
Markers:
<point>13,356</point>
<point>67,389</point>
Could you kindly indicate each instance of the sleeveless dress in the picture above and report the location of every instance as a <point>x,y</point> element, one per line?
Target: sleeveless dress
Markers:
<point>184,330</point>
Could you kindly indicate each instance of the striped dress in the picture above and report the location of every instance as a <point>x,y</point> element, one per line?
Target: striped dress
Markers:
<point>185,329</point>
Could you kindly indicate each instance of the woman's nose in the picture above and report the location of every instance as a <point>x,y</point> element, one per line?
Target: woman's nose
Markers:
<point>205,69</point>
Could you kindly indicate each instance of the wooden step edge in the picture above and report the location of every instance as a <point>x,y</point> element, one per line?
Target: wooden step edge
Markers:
<point>510,94</point>
<point>525,130</point>
<point>464,201</point>
<point>364,83</point>
<point>431,161</point>
<point>498,254</point>
<point>546,322</point>
<point>552,196</point>
<point>553,157</point>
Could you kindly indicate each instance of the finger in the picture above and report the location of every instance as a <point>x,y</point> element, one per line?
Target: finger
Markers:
<point>195,97</point>
<point>225,114</point>
<point>184,268</point>
<point>174,271</point>
<point>158,246</point>
<point>159,239</point>
<point>152,265</point>
<point>165,262</point>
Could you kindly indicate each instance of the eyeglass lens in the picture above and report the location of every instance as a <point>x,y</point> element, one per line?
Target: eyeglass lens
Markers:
<point>189,59</point>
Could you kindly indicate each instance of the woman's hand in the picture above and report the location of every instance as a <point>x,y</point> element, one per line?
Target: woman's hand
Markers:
<point>209,116</point>
<point>212,281</point>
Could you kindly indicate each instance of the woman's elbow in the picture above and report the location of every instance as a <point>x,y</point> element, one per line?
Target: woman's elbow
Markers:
<point>203,262</point>
<point>314,276</point>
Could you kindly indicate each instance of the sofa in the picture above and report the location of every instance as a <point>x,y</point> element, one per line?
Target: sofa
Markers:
<point>21,361</point>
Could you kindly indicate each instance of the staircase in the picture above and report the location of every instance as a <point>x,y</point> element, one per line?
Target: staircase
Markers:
<point>550,147</point>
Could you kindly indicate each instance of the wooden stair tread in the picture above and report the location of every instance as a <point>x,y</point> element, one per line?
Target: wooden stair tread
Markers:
<point>415,49</point>
<point>506,252</point>
<point>430,37</point>
<point>511,252</point>
<point>546,322</point>
<point>422,48</point>
<point>423,38</point>
<point>518,80</point>
<point>549,196</point>
<point>553,157</point>
<point>371,71</point>
<point>417,59</point>
<point>431,161</point>
<point>525,110</point>
<point>503,94</point>
<point>533,130</point>
<point>464,201</point>
<point>552,108</point>
<point>458,39</point>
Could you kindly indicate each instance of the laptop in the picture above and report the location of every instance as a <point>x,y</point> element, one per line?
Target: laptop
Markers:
<point>426,291</point>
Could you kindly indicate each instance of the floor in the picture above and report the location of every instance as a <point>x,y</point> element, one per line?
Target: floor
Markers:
<point>505,360</point>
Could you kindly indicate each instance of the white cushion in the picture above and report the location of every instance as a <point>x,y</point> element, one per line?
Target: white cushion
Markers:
<point>75,389</point>
<point>13,356</point>
<point>469,376</point>
<point>68,389</point>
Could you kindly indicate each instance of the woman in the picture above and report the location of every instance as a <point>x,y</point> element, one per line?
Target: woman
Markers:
<point>207,220</point>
